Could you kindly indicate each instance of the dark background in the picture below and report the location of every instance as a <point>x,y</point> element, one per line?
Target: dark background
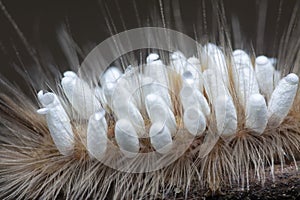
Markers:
<point>90,22</point>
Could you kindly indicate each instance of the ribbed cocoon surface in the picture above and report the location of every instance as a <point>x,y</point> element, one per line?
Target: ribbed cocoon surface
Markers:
<point>282,99</point>
<point>58,122</point>
<point>226,116</point>
<point>97,135</point>
<point>158,111</point>
<point>191,96</point>
<point>256,114</point>
<point>244,77</point>
<point>264,71</point>
<point>127,138</point>
<point>194,120</point>
<point>160,137</point>
<point>80,95</point>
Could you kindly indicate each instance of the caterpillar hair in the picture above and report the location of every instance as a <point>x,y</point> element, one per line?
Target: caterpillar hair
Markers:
<point>169,108</point>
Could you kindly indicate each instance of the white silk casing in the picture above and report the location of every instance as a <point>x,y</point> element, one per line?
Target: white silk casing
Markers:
<point>97,135</point>
<point>282,99</point>
<point>80,95</point>
<point>127,138</point>
<point>58,122</point>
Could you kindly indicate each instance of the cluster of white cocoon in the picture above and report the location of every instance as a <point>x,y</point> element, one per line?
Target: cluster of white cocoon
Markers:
<point>205,95</point>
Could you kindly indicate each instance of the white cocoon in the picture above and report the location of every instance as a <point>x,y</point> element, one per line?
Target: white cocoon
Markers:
<point>158,111</point>
<point>80,95</point>
<point>127,138</point>
<point>121,95</point>
<point>282,99</point>
<point>109,80</point>
<point>188,79</point>
<point>97,135</point>
<point>156,69</point>
<point>203,103</point>
<point>178,62</point>
<point>194,120</point>
<point>256,113</point>
<point>264,71</point>
<point>152,57</point>
<point>187,96</point>
<point>193,77</point>
<point>244,76</point>
<point>99,93</point>
<point>219,62</point>
<point>245,84</point>
<point>127,110</point>
<point>160,138</point>
<point>241,58</point>
<point>226,116</point>
<point>192,97</point>
<point>214,85</point>
<point>58,122</point>
<point>194,61</point>
<point>150,86</point>
<point>108,91</point>
<point>111,75</point>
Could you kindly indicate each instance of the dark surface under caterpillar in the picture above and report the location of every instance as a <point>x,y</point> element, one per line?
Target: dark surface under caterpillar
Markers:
<point>246,164</point>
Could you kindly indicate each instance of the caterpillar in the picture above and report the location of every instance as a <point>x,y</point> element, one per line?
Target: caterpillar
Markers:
<point>154,124</point>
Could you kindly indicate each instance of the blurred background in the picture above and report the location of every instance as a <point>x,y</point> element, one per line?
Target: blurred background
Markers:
<point>252,24</point>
